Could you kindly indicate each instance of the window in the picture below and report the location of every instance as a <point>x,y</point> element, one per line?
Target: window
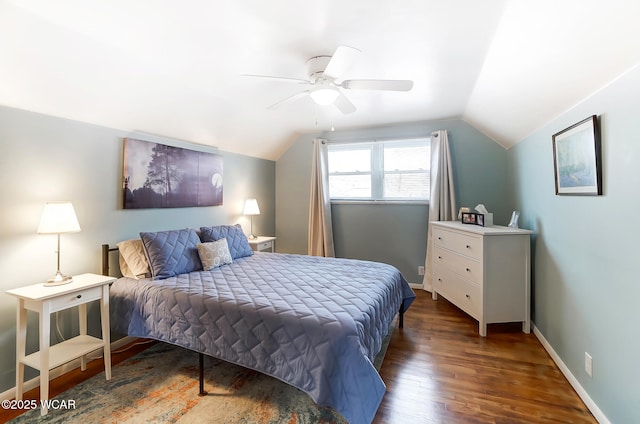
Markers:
<point>374,171</point>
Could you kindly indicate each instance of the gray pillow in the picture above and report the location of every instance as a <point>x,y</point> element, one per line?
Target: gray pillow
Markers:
<point>172,252</point>
<point>214,254</point>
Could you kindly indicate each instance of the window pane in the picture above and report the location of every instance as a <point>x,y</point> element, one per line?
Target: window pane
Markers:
<point>393,170</point>
<point>405,185</point>
<point>406,157</point>
<point>350,160</point>
<point>347,186</point>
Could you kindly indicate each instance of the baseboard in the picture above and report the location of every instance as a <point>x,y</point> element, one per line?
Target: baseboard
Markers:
<point>63,369</point>
<point>597,413</point>
<point>416,286</point>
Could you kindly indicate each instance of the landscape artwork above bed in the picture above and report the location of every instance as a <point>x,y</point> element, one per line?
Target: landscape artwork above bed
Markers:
<point>160,176</point>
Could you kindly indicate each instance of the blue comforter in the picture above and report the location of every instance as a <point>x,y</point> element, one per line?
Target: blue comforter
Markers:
<point>315,323</point>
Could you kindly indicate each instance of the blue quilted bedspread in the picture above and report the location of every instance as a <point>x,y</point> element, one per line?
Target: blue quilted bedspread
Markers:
<point>315,323</point>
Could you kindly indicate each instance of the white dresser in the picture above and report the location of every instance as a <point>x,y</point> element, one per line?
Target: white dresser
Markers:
<point>485,271</point>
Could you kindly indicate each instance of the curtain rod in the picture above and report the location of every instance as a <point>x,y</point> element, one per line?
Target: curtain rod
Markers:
<point>370,140</point>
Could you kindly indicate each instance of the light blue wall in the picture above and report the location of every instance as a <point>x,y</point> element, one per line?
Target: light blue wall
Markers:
<point>586,288</point>
<point>394,234</point>
<point>43,158</point>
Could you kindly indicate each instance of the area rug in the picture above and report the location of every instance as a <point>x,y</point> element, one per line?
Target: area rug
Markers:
<point>160,385</point>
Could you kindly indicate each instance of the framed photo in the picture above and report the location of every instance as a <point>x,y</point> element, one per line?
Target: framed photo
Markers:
<point>160,176</point>
<point>468,218</point>
<point>577,159</point>
<point>473,218</point>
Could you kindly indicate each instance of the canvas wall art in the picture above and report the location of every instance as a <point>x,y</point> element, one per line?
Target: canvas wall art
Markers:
<point>161,176</point>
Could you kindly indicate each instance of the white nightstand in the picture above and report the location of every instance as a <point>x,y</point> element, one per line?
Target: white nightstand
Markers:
<point>47,300</point>
<point>263,244</point>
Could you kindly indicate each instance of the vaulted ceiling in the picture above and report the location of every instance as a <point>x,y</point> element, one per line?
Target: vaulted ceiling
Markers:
<point>175,68</point>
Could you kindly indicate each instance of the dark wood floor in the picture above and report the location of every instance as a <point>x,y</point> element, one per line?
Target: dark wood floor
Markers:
<point>439,370</point>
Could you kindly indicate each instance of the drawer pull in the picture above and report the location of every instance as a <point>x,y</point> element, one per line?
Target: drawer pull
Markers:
<point>79,296</point>
<point>467,296</point>
<point>468,247</point>
<point>439,238</point>
<point>439,257</point>
<point>468,270</point>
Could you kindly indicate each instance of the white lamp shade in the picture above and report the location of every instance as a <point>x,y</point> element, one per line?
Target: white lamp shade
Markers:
<point>324,96</point>
<point>251,207</point>
<point>58,217</point>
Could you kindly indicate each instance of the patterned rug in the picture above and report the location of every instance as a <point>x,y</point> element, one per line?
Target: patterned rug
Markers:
<point>160,385</point>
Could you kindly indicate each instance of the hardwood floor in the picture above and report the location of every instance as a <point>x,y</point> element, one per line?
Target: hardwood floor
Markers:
<point>439,370</point>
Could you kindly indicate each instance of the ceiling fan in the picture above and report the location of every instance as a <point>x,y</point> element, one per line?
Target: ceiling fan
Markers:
<point>325,84</point>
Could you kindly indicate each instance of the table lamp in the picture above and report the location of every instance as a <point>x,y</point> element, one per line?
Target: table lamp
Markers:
<point>251,208</point>
<point>58,218</point>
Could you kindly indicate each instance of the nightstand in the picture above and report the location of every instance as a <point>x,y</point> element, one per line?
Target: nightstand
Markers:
<point>47,300</point>
<point>263,244</point>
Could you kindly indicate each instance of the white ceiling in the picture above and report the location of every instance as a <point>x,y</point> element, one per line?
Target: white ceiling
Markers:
<point>174,68</point>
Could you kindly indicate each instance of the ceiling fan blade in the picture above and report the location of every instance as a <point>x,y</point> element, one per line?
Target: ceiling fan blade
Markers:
<point>390,85</point>
<point>344,104</point>
<point>341,60</point>
<point>278,79</point>
<point>289,99</point>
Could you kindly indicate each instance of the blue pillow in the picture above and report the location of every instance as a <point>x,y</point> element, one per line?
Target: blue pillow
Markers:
<point>237,240</point>
<point>171,252</point>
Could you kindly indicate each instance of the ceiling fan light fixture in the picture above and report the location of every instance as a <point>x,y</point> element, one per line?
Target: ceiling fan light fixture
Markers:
<point>325,96</point>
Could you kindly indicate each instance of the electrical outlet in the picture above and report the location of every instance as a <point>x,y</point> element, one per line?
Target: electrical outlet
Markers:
<point>588,364</point>
<point>420,270</point>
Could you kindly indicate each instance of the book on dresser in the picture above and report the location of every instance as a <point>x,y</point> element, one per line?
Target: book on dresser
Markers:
<point>485,271</point>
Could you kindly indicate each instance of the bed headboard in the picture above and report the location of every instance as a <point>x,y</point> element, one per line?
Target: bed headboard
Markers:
<point>106,250</point>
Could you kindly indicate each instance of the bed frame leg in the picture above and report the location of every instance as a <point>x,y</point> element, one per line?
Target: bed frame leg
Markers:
<point>201,372</point>
<point>401,323</point>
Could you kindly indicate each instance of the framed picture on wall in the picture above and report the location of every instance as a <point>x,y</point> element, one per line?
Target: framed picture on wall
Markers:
<point>577,159</point>
<point>160,176</point>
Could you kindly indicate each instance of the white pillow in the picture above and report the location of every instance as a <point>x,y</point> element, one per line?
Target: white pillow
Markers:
<point>133,261</point>
<point>214,254</point>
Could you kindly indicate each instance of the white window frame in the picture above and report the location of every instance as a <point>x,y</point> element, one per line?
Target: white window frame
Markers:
<point>377,170</point>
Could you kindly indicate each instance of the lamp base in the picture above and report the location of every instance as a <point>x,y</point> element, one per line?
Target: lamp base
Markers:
<point>58,280</point>
<point>252,237</point>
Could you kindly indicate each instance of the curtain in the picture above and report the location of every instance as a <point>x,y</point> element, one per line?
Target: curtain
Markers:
<point>320,231</point>
<point>442,204</point>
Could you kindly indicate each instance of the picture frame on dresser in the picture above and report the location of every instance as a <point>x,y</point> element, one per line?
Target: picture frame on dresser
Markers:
<point>577,159</point>
<point>468,218</point>
<point>472,218</point>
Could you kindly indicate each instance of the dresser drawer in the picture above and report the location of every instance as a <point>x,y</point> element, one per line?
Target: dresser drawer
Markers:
<point>69,300</point>
<point>465,244</point>
<point>464,294</point>
<point>466,267</point>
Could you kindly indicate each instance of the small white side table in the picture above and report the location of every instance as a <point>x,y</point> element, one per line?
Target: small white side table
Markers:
<point>47,300</point>
<point>263,244</point>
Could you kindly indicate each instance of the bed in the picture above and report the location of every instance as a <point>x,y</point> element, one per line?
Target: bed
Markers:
<point>314,323</point>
